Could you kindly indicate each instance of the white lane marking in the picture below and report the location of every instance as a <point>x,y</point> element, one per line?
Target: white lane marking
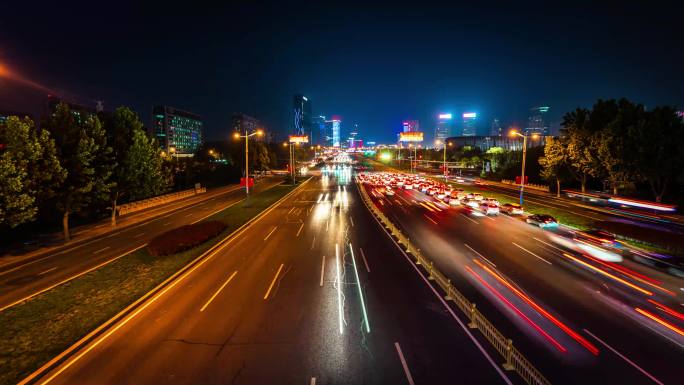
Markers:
<point>218,291</point>
<point>300,229</point>
<point>138,235</point>
<point>166,224</point>
<point>637,367</point>
<point>351,220</point>
<point>358,284</point>
<point>480,255</point>
<point>429,219</point>
<point>547,244</point>
<point>219,210</point>
<point>470,219</point>
<point>274,281</point>
<point>269,234</point>
<point>532,253</point>
<point>363,256</point>
<point>313,380</point>
<point>403,364</point>
<point>339,287</point>
<point>322,269</point>
<point>101,250</point>
<point>48,270</point>
<point>327,224</point>
<point>313,242</point>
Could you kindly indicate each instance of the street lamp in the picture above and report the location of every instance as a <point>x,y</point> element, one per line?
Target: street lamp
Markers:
<point>522,177</point>
<point>247,134</point>
<point>438,142</point>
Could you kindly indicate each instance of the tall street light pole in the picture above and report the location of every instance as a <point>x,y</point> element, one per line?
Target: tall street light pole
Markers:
<point>237,135</point>
<point>524,156</point>
<point>446,172</point>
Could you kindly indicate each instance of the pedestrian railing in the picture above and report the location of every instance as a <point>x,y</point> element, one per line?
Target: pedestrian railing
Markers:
<point>158,200</point>
<point>514,360</point>
<point>532,186</point>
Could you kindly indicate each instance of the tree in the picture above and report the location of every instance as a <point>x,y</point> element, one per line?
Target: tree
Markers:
<point>139,173</point>
<point>83,152</point>
<point>554,162</point>
<point>30,170</point>
<point>659,157</point>
<point>581,154</point>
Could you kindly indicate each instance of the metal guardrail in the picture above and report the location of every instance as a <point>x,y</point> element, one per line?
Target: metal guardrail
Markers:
<point>533,186</point>
<point>515,361</point>
<point>158,200</point>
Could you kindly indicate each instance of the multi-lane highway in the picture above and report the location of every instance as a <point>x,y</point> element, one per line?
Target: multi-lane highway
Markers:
<point>580,320</point>
<point>25,279</point>
<point>314,292</point>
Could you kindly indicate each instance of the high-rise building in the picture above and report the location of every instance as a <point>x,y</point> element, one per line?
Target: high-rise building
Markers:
<point>79,111</point>
<point>244,123</point>
<point>335,124</point>
<point>411,126</point>
<point>496,129</point>
<point>176,129</point>
<point>319,128</point>
<point>443,129</point>
<point>469,124</point>
<point>537,123</point>
<point>352,136</point>
<point>302,115</point>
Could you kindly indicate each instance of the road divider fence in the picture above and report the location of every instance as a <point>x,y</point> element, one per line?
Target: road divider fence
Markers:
<point>514,359</point>
<point>158,200</point>
<point>532,186</point>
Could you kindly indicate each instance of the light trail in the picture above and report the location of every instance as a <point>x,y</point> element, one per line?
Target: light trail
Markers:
<point>576,336</point>
<point>667,310</point>
<point>339,286</point>
<point>660,321</point>
<point>607,274</point>
<point>633,274</point>
<point>358,284</point>
<point>555,343</point>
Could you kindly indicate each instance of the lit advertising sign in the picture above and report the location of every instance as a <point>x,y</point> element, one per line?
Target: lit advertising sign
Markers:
<point>445,116</point>
<point>299,138</point>
<point>414,136</point>
<point>470,115</point>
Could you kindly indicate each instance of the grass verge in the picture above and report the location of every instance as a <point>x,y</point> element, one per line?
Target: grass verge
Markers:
<point>33,332</point>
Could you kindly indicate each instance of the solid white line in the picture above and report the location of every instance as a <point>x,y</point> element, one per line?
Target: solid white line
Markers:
<point>48,270</point>
<point>624,358</point>
<point>339,286</point>
<point>470,219</point>
<point>322,269</point>
<point>313,241</point>
<point>218,291</point>
<point>532,253</point>
<point>218,211</point>
<point>300,229</point>
<point>481,256</point>
<point>274,281</point>
<point>101,250</point>
<point>358,283</point>
<point>363,256</point>
<point>138,235</point>
<point>351,220</point>
<point>269,234</point>
<point>403,364</point>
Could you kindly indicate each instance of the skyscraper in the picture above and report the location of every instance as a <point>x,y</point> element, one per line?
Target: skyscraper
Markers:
<point>302,115</point>
<point>177,129</point>
<point>323,136</point>
<point>411,126</point>
<point>537,122</point>
<point>496,129</point>
<point>335,123</point>
<point>244,123</point>
<point>469,124</point>
<point>443,129</point>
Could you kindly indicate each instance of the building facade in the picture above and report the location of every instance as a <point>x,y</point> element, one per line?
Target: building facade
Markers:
<point>320,130</point>
<point>538,123</point>
<point>79,111</point>
<point>496,129</point>
<point>177,131</point>
<point>411,126</point>
<point>443,129</point>
<point>302,115</point>
<point>469,124</point>
<point>334,125</point>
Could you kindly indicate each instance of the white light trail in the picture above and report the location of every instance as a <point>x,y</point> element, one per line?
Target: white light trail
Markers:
<point>339,286</point>
<point>358,284</point>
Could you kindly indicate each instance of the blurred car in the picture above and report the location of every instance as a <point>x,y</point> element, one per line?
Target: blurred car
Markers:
<point>478,197</point>
<point>408,186</point>
<point>470,203</point>
<point>511,209</point>
<point>389,192</point>
<point>598,237</point>
<point>489,208</point>
<point>454,202</point>
<point>542,220</point>
<point>470,195</point>
<point>440,194</point>
<point>491,201</point>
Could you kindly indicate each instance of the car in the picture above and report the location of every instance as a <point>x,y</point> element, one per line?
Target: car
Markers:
<point>489,208</point>
<point>491,201</point>
<point>408,186</point>
<point>511,209</point>
<point>431,191</point>
<point>389,192</point>
<point>542,220</point>
<point>470,203</point>
<point>470,196</point>
<point>423,188</point>
<point>478,197</point>
<point>454,202</point>
<point>441,194</point>
<point>460,194</point>
<point>598,237</point>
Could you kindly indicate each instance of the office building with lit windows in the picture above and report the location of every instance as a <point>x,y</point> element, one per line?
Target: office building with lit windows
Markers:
<point>177,130</point>
<point>469,124</point>
<point>443,129</point>
<point>302,115</point>
<point>537,123</point>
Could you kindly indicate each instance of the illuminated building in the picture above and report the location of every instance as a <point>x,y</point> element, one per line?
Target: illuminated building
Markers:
<point>302,115</point>
<point>469,124</point>
<point>319,126</point>
<point>410,126</point>
<point>496,129</point>
<point>79,111</point>
<point>443,129</point>
<point>244,123</point>
<point>178,129</point>
<point>335,123</point>
<point>537,122</point>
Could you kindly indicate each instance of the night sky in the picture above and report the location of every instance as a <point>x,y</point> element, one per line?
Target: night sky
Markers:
<point>373,65</point>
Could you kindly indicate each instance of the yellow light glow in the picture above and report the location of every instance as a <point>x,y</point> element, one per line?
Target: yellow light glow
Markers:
<point>236,135</point>
<point>260,132</point>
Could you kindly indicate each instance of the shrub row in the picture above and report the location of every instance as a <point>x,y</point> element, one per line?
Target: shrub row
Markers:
<point>184,238</point>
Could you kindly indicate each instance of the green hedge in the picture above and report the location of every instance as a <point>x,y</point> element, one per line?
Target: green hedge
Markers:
<point>184,238</point>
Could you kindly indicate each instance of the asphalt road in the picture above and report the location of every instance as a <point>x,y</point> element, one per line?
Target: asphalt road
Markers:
<point>528,286</point>
<point>36,275</point>
<point>312,293</point>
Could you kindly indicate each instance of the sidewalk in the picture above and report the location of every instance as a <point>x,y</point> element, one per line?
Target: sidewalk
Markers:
<point>80,235</point>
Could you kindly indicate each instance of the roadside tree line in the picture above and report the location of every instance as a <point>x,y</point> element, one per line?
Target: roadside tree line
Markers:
<point>620,142</point>
<point>74,162</point>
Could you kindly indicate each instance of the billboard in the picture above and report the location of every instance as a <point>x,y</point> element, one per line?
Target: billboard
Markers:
<point>299,138</point>
<point>471,115</point>
<point>445,116</point>
<point>415,136</point>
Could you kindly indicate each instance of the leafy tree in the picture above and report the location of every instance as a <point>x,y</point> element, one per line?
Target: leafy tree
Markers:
<point>139,173</point>
<point>83,151</point>
<point>30,170</point>
<point>581,155</point>
<point>554,162</point>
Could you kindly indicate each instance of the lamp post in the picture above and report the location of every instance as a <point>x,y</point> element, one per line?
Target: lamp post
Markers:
<point>446,172</point>
<point>291,153</point>
<point>522,176</point>
<point>246,136</point>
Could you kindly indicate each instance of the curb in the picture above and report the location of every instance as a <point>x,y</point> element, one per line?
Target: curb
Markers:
<point>109,325</point>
